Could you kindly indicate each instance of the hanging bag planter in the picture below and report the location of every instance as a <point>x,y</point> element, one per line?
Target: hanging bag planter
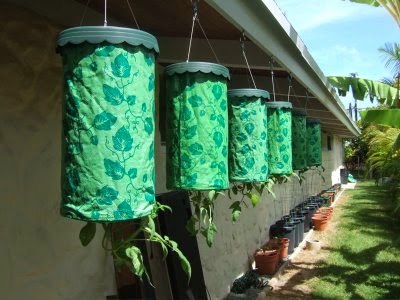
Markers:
<point>108,123</point>
<point>299,139</point>
<point>248,156</point>
<point>197,126</point>
<point>279,119</point>
<point>314,147</point>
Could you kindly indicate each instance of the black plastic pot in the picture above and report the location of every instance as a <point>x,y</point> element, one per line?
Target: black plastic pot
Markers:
<point>282,230</point>
<point>300,225</point>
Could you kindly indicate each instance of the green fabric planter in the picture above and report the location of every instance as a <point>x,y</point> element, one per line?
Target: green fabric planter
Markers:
<point>299,139</point>
<point>248,152</point>
<point>314,145</point>
<point>108,123</point>
<point>197,126</point>
<point>279,117</point>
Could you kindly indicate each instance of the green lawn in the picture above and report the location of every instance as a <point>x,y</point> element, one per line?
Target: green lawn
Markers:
<point>364,254</point>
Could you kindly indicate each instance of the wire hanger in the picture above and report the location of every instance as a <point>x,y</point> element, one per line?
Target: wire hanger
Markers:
<point>196,19</point>
<point>242,41</point>
<point>271,62</point>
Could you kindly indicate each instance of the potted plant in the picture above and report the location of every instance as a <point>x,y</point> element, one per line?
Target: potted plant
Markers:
<point>266,260</point>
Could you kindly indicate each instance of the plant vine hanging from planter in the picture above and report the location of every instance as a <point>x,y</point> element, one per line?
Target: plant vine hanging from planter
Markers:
<point>108,136</point>
<point>108,123</point>
<point>197,135</point>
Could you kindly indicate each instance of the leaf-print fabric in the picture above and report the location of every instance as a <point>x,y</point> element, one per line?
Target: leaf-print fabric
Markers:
<point>108,169</point>
<point>247,139</point>
<point>279,140</point>
<point>314,146</point>
<point>197,132</point>
<point>299,142</point>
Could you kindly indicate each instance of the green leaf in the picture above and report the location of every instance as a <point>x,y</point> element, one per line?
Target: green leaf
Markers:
<point>122,140</point>
<point>211,231</point>
<point>136,257</point>
<point>87,233</point>
<point>112,95</point>
<point>234,190</point>
<point>253,198</point>
<point>185,264</point>
<point>236,210</point>
<point>361,88</point>
<point>396,144</point>
<point>114,169</point>
<point>104,121</point>
<point>191,226</point>
<point>152,226</point>
<point>387,117</point>
<point>211,195</point>
<point>121,67</point>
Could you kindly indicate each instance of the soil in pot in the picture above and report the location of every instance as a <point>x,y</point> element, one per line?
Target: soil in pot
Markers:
<point>266,261</point>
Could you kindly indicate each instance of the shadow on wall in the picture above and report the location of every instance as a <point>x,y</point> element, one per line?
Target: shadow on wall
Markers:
<point>40,252</point>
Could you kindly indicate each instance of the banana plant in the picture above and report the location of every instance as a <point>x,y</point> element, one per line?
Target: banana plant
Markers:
<point>391,6</point>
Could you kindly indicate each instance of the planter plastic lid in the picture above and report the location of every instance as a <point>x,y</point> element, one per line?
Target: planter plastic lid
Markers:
<point>299,112</point>
<point>195,66</point>
<point>279,104</point>
<point>110,34</point>
<point>313,121</point>
<point>239,93</point>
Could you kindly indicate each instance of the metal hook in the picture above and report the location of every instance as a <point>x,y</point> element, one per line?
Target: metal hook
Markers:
<point>195,7</point>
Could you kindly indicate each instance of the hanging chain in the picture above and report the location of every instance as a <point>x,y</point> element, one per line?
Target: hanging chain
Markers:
<point>290,86</point>
<point>242,40</point>
<point>133,15</point>
<point>272,76</point>
<point>105,12</point>
<point>84,13</point>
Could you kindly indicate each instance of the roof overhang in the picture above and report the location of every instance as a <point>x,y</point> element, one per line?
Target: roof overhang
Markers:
<point>269,33</point>
<point>264,23</point>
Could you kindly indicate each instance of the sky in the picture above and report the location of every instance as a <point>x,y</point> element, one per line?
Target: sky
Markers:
<point>343,37</point>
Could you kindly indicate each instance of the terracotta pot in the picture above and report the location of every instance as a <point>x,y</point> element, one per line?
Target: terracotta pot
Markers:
<point>326,214</point>
<point>280,244</point>
<point>284,247</point>
<point>320,222</point>
<point>324,208</point>
<point>266,261</point>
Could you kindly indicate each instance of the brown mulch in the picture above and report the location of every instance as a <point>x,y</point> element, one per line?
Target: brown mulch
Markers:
<point>294,280</point>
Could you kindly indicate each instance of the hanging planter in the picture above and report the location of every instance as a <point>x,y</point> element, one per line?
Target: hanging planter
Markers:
<point>248,158</point>
<point>108,123</point>
<point>314,151</point>
<point>279,118</point>
<point>299,139</point>
<point>197,126</point>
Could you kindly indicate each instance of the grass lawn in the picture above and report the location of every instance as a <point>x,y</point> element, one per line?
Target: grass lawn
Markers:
<point>364,254</point>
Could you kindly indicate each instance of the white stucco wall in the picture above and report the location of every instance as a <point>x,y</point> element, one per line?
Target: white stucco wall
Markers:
<point>235,244</point>
<point>40,253</point>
